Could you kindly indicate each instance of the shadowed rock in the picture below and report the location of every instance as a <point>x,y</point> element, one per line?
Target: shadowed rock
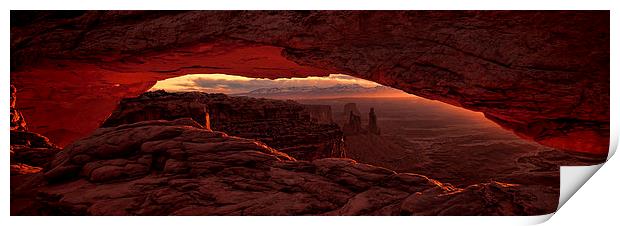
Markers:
<point>372,122</point>
<point>152,107</point>
<point>31,154</point>
<point>302,131</point>
<point>354,125</point>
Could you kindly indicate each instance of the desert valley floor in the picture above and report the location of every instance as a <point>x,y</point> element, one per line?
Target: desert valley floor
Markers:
<point>450,144</point>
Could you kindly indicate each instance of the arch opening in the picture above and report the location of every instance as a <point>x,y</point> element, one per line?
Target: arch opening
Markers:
<point>414,134</point>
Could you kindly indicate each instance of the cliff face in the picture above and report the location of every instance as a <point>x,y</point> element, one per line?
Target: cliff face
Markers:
<point>157,106</point>
<point>290,127</point>
<point>180,168</point>
<point>321,114</point>
<point>544,75</point>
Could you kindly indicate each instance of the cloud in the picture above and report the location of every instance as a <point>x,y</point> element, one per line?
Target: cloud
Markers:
<point>239,84</point>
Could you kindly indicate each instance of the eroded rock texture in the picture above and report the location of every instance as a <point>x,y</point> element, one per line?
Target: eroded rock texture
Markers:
<point>181,168</point>
<point>544,75</point>
<point>30,152</point>
<point>17,119</point>
<point>288,126</point>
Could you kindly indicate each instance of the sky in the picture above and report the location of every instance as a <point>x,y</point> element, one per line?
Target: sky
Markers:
<point>233,84</point>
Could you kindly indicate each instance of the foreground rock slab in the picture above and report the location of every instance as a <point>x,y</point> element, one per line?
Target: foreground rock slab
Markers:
<point>181,168</point>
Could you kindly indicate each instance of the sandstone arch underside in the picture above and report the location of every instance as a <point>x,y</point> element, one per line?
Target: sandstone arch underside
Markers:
<point>543,75</point>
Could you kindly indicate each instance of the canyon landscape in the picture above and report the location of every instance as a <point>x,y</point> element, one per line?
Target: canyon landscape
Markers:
<point>303,112</point>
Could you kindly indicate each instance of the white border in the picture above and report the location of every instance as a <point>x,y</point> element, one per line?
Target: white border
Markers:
<point>315,4</point>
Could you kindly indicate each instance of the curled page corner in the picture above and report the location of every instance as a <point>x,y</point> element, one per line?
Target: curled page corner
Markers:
<point>539,219</point>
<point>572,178</point>
<point>613,142</point>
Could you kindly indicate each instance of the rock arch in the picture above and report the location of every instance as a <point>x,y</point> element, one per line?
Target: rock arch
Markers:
<point>543,75</point>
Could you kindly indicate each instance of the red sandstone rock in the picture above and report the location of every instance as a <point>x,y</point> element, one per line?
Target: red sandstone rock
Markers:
<point>288,126</point>
<point>20,169</point>
<point>180,168</point>
<point>544,75</point>
<point>17,119</point>
<point>30,152</point>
